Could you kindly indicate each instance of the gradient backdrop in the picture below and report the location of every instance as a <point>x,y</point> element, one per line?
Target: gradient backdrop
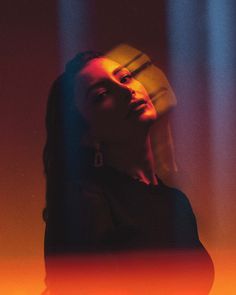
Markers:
<point>195,44</point>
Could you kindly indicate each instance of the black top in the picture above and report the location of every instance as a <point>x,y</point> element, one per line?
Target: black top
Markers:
<point>106,210</point>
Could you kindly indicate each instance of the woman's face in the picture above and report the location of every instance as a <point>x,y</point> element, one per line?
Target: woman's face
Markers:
<point>113,103</point>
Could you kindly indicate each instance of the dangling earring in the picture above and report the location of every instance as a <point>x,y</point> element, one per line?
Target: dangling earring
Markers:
<point>98,157</point>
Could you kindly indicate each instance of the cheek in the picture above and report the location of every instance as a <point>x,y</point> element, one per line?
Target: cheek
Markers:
<point>108,105</point>
<point>140,89</point>
<point>98,112</point>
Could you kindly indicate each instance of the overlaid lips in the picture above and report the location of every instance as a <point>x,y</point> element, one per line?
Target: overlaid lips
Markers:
<point>133,106</point>
<point>158,93</point>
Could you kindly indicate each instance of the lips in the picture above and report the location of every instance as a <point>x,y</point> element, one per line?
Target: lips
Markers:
<point>136,106</point>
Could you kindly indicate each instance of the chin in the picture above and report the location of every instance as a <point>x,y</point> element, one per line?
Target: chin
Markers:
<point>149,116</point>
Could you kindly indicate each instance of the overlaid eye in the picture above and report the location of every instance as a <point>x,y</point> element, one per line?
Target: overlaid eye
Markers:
<point>126,78</point>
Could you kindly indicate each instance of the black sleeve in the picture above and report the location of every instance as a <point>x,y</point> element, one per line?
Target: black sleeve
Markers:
<point>188,240</point>
<point>76,219</point>
<point>185,225</point>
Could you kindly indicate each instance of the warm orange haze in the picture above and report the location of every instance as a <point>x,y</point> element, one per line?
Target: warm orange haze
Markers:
<point>195,48</point>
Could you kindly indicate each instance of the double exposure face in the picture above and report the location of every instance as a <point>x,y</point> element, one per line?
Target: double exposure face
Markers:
<point>114,104</point>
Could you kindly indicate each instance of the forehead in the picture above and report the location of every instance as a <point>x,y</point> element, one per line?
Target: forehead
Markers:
<point>98,68</point>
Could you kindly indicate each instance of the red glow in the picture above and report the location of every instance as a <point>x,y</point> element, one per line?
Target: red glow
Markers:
<point>168,273</point>
<point>26,275</point>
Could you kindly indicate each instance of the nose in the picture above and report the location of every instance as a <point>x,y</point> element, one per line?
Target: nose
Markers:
<point>126,91</point>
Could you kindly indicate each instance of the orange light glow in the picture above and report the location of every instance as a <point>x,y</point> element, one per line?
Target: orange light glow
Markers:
<point>26,275</point>
<point>168,273</point>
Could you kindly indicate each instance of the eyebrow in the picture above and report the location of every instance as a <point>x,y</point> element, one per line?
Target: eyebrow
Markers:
<point>136,71</point>
<point>117,70</point>
<point>128,63</point>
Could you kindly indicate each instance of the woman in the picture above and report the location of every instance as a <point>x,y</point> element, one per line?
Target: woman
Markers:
<point>103,195</point>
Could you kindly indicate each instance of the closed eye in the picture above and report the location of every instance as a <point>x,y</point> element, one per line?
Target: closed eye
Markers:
<point>126,79</point>
<point>100,95</point>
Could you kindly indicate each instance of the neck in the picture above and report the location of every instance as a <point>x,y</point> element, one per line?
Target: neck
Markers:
<point>134,158</point>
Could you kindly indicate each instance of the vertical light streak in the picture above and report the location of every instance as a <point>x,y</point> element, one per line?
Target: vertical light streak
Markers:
<point>222,61</point>
<point>73,30</point>
<point>72,27</point>
<point>185,38</point>
<point>188,21</point>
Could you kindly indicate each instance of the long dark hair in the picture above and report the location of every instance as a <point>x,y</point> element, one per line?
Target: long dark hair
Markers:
<point>64,125</point>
